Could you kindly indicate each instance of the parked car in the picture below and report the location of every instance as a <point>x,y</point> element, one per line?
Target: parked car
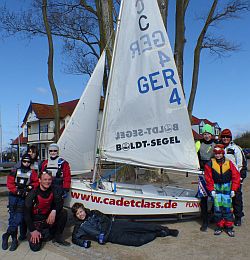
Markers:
<point>247,152</point>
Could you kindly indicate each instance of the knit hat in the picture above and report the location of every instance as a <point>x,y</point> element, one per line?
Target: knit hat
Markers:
<point>53,146</point>
<point>26,157</point>
<point>219,148</point>
<point>207,129</point>
<point>226,132</point>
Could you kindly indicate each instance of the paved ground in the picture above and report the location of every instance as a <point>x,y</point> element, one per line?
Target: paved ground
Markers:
<point>190,244</point>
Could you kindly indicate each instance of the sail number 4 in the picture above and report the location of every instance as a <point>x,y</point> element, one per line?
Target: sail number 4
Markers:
<point>147,42</point>
<point>151,82</point>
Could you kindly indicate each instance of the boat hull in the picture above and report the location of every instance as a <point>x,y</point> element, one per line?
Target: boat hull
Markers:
<point>127,199</point>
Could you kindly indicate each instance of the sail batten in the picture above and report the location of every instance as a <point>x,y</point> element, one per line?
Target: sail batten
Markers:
<point>146,120</point>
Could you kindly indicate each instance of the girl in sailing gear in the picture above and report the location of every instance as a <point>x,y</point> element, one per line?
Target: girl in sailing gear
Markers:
<point>97,226</point>
<point>34,156</point>
<point>223,180</point>
<point>35,162</point>
<point>204,148</point>
<point>19,183</point>
<point>43,214</point>
<point>234,153</point>
<point>60,171</point>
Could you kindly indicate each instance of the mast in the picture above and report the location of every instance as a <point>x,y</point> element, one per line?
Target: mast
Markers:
<point>108,89</point>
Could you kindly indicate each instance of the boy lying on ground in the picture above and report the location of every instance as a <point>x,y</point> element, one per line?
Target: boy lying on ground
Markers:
<point>94,225</point>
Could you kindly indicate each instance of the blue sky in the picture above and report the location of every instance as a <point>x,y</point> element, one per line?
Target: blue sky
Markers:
<point>223,90</point>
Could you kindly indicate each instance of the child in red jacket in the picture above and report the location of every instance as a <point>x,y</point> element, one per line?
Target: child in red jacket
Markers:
<point>19,182</point>
<point>222,179</point>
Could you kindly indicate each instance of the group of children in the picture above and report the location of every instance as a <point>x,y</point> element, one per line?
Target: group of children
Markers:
<point>222,181</point>
<point>224,172</point>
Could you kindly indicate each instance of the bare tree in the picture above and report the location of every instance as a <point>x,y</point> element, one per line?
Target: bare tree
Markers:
<point>50,70</point>
<point>216,45</point>
<point>87,26</point>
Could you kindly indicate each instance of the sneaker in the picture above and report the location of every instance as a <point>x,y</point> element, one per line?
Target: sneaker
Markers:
<point>218,231</point>
<point>230,232</point>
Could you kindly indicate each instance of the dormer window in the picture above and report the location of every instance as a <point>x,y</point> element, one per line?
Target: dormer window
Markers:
<point>44,128</point>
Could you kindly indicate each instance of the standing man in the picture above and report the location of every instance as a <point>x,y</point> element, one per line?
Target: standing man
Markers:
<point>19,182</point>
<point>204,148</point>
<point>234,153</point>
<point>43,214</point>
<point>60,171</point>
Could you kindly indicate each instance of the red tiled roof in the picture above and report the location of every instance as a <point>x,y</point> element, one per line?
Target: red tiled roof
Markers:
<point>196,121</point>
<point>196,135</point>
<point>44,111</point>
<point>23,140</point>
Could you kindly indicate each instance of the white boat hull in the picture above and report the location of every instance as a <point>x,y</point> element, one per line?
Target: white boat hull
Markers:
<point>133,199</point>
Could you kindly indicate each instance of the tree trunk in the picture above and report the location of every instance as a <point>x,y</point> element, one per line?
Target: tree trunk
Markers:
<point>104,10</point>
<point>181,6</point>
<point>163,5</point>
<point>50,70</point>
<point>197,53</point>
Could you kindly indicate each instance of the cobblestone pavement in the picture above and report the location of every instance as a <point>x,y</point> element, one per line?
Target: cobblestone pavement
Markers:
<point>190,244</point>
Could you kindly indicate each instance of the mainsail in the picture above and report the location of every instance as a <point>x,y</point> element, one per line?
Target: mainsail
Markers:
<point>145,116</point>
<point>78,140</point>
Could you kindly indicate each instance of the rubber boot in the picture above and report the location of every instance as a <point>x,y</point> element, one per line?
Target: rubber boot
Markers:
<point>14,243</point>
<point>173,232</point>
<point>5,240</point>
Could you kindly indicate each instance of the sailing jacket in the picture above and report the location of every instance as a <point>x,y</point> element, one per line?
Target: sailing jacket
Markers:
<point>91,227</point>
<point>234,153</point>
<point>60,172</point>
<point>205,151</point>
<point>222,171</point>
<point>20,179</point>
<point>38,205</point>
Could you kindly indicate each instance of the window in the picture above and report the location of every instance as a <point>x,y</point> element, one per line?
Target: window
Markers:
<point>44,129</point>
<point>43,154</point>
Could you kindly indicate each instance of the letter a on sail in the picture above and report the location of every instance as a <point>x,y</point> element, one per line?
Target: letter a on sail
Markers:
<point>145,116</point>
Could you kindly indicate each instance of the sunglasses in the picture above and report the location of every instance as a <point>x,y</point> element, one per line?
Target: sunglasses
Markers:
<point>25,161</point>
<point>225,136</point>
<point>53,151</point>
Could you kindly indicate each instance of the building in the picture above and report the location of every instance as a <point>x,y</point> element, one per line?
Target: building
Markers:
<point>197,125</point>
<point>38,125</point>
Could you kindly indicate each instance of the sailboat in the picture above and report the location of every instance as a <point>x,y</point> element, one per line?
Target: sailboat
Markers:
<point>145,122</point>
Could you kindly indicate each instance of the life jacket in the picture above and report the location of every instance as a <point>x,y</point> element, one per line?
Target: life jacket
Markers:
<point>221,173</point>
<point>42,206</point>
<point>55,166</point>
<point>35,166</point>
<point>22,178</point>
<point>205,150</point>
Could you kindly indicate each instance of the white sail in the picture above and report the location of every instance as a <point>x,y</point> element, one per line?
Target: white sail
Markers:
<point>146,120</point>
<point>78,140</point>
